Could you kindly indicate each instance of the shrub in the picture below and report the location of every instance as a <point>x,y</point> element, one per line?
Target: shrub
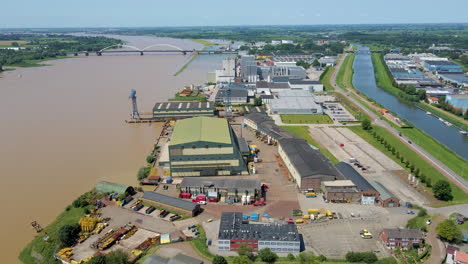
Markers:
<point>150,159</point>
<point>143,172</point>
<point>290,257</point>
<point>245,250</point>
<point>422,212</point>
<point>219,260</point>
<point>68,234</point>
<point>266,255</point>
<point>442,190</point>
<point>367,257</point>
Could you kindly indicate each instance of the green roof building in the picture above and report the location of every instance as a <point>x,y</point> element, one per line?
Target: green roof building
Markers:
<point>205,146</point>
<point>110,187</point>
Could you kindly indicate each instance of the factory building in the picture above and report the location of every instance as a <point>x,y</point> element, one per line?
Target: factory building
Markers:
<point>307,166</point>
<point>386,198</point>
<point>248,68</point>
<point>264,87</point>
<point>222,188</point>
<point>171,203</point>
<point>234,95</point>
<point>456,78</point>
<point>183,109</point>
<point>306,85</point>
<point>369,194</point>
<point>445,66</point>
<point>458,100</point>
<point>205,146</point>
<point>233,232</point>
<point>341,191</point>
<point>295,102</point>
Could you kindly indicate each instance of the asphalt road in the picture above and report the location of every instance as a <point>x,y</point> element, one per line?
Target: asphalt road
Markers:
<point>451,175</point>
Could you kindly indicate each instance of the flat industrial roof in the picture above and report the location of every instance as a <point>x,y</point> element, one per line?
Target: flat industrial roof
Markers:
<point>185,105</point>
<point>176,202</point>
<point>339,183</point>
<point>207,129</point>
<point>219,182</point>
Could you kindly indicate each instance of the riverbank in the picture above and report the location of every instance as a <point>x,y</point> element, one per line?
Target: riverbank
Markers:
<point>384,81</point>
<point>452,160</point>
<point>344,78</point>
<point>457,121</point>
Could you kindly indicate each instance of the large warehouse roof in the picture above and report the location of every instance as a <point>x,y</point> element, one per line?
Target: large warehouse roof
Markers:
<point>384,192</point>
<point>307,161</point>
<point>208,129</point>
<point>351,174</point>
<point>175,202</point>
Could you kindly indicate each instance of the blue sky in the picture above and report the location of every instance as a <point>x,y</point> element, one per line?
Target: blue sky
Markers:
<point>118,13</point>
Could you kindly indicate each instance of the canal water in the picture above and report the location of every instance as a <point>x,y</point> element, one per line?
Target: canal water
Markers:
<point>62,129</point>
<point>364,81</point>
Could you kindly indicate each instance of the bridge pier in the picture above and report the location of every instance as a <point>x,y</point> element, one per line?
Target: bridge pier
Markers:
<point>141,53</point>
<point>86,53</point>
<point>98,53</point>
<point>75,54</point>
<point>185,53</point>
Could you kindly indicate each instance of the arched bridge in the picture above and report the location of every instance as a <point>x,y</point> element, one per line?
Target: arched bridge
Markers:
<point>151,49</point>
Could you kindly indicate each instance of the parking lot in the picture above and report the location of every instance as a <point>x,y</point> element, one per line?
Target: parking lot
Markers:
<point>334,237</point>
<point>338,113</point>
<point>344,144</point>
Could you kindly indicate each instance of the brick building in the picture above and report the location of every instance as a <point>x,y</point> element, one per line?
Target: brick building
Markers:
<point>402,237</point>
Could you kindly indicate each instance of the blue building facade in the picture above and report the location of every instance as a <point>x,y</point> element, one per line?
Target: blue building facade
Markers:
<point>442,66</point>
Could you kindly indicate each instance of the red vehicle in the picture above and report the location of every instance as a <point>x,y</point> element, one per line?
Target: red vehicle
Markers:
<point>259,203</point>
<point>212,199</point>
<point>290,221</point>
<point>199,198</point>
<point>185,195</point>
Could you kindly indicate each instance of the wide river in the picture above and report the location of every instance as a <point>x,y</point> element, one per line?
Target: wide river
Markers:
<point>364,81</point>
<point>63,130</point>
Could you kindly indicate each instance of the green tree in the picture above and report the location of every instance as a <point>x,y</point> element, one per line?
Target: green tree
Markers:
<point>412,168</point>
<point>245,250</point>
<point>442,190</point>
<point>99,259</point>
<point>316,63</point>
<point>68,234</point>
<point>242,260</point>
<point>150,159</point>
<point>258,101</point>
<point>307,258</point>
<point>219,260</point>
<point>117,257</point>
<point>266,255</point>
<point>303,64</point>
<point>448,230</point>
<point>422,212</point>
<point>291,257</point>
<point>366,257</point>
<point>366,124</point>
<point>143,172</point>
<point>428,182</point>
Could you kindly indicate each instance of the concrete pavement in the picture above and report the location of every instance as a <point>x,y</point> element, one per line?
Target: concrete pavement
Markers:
<point>451,175</point>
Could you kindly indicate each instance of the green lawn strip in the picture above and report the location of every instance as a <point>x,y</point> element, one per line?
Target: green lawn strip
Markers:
<point>455,120</point>
<point>425,168</point>
<point>204,42</point>
<point>344,78</point>
<point>199,244</point>
<point>306,119</point>
<point>188,98</point>
<point>37,63</point>
<point>325,78</point>
<point>418,222</point>
<point>47,248</point>
<point>437,150</point>
<point>303,132</point>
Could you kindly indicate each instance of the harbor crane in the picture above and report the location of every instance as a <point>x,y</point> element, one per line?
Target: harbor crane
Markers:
<point>135,114</point>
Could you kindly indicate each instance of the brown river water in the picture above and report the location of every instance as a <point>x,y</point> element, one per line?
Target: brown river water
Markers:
<point>62,129</point>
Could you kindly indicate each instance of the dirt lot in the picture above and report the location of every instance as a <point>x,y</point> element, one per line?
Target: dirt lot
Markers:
<point>148,226</point>
<point>342,235</point>
<point>380,167</point>
<point>171,250</point>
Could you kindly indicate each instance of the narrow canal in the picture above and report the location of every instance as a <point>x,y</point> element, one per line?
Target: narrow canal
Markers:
<point>364,81</point>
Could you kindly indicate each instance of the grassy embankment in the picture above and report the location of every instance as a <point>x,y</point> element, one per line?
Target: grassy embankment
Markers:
<point>201,41</point>
<point>344,77</point>
<point>429,144</point>
<point>39,251</point>
<point>303,132</point>
<point>425,168</point>
<point>306,119</point>
<point>325,78</point>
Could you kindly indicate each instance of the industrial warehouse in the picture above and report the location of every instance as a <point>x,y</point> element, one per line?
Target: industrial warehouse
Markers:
<point>171,203</point>
<point>221,187</point>
<point>233,232</point>
<point>205,146</point>
<point>182,109</point>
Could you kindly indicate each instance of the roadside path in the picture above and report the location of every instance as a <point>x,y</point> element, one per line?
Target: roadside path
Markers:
<point>438,249</point>
<point>451,175</point>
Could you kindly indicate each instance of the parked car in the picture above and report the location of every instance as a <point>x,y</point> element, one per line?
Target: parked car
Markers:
<point>259,203</point>
<point>428,222</point>
<point>150,210</point>
<point>174,217</point>
<point>410,212</point>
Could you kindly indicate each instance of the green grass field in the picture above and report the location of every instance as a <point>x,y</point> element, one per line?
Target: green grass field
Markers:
<point>325,79</point>
<point>46,249</point>
<point>344,78</point>
<point>303,132</point>
<point>459,196</point>
<point>306,119</point>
